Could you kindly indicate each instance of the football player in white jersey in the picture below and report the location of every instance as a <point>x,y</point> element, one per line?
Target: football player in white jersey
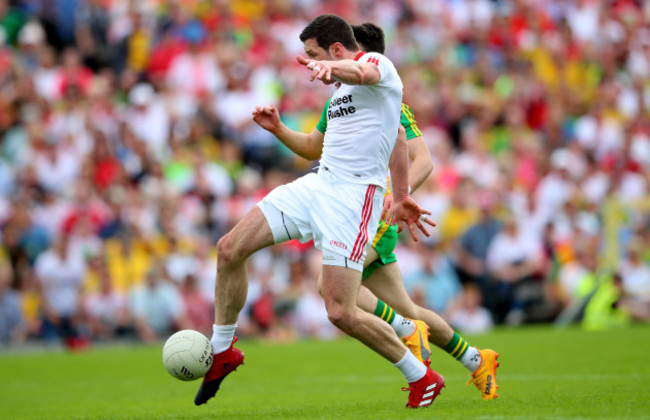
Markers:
<point>381,275</point>
<point>339,208</point>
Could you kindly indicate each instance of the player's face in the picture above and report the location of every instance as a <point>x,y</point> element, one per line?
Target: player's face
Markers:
<point>315,52</point>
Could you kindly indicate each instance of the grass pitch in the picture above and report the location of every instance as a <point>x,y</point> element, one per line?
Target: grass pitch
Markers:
<point>544,373</point>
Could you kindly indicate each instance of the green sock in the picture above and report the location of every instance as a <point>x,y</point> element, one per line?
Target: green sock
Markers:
<point>404,327</point>
<point>457,346</point>
<point>460,350</point>
<point>384,311</point>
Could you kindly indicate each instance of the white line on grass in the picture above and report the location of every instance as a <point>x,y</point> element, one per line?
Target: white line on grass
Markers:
<point>508,377</point>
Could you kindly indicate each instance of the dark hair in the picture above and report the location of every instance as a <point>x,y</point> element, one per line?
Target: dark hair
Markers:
<point>370,37</point>
<point>328,29</point>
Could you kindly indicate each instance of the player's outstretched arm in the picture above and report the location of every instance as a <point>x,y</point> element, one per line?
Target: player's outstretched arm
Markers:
<point>347,71</point>
<point>308,146</point>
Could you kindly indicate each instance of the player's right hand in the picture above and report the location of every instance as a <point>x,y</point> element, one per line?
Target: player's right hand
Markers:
<point>267,117</point>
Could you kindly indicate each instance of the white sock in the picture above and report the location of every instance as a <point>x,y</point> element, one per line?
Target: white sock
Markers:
<point>471,359</point>
<point>411,367</point>
<point>403,327</point>
<point>222,336</point>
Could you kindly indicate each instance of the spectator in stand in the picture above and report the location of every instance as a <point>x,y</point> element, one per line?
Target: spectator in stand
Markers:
<point>513,258</point>
<point>461,213</point>
<point>106,309</point>
<point>12,326</point>
<point>206,76</point>
<point>149,119</point>
<point>606,308</point>
<point>577,277</point>
<point>60,272</point>
<point>635,275</point>
<point>157,307</point>
<point>198,307</point>
<point>436,278</point>
<point>180,262</point>
<point>474,244</point>
<point>466,313</point>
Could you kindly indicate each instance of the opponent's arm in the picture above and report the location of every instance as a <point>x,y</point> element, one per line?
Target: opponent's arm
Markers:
<point>306,145</point>
<point>398,165</point>
<point>421,164</point>
<point>347,71</point>
<point>405,209</point>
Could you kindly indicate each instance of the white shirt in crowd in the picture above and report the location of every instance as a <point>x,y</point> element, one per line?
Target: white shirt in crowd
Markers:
<point>61,280</point>
<point>106,308</point>
<point>636,279</point>
<point>505,250</point>
<point>57,173</point>
<point>475,322</point>
<point>310,317</point>
<point>148,118</point>
<point>159,305</point>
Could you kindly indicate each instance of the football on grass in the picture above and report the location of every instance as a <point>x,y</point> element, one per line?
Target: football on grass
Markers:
<point>187,355</point>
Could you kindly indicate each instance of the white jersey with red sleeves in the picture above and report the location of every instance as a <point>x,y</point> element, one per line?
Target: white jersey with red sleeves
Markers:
<point>362,123</point>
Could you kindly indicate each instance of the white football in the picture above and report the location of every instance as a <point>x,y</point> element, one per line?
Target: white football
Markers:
<point>187,355</point>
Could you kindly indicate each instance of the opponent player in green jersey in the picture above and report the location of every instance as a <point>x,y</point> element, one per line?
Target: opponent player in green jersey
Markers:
<point>382,278</point>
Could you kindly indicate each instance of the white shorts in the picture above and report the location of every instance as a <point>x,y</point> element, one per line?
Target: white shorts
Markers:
<point>339,216</point>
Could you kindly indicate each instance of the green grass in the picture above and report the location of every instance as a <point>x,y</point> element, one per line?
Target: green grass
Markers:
<point>544,373</point>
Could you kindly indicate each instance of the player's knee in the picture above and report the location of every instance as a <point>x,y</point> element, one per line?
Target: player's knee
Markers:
<point>338,316</point>
<point>228,251</point>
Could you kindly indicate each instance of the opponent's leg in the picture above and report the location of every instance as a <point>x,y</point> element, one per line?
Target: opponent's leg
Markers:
<point>386,283</point>
<point>403,327</point>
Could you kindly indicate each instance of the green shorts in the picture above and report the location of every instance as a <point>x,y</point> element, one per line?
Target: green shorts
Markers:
<point>384,243</point>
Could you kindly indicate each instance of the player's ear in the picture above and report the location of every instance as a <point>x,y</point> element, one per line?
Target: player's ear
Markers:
<point>336,50</point>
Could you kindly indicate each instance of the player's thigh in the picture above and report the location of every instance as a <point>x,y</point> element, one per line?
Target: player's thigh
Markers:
<point>339,287</point>
<point>249,235</point>
<point>371,256</point>
<point>386,283</point>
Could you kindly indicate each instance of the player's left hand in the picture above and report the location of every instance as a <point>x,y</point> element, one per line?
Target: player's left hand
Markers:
<point>319,69</point>
<point>409,212</point>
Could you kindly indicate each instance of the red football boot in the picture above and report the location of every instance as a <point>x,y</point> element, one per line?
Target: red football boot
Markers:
<point>425,390</point>
<point>222,364</point>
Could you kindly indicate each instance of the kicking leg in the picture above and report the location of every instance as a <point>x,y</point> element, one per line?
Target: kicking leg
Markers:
<point>252,233</point>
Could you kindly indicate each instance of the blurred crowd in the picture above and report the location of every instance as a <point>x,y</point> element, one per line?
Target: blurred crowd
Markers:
<point>127,149</point>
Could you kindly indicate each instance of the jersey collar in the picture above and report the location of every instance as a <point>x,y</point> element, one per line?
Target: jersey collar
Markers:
<point>361,53</point>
